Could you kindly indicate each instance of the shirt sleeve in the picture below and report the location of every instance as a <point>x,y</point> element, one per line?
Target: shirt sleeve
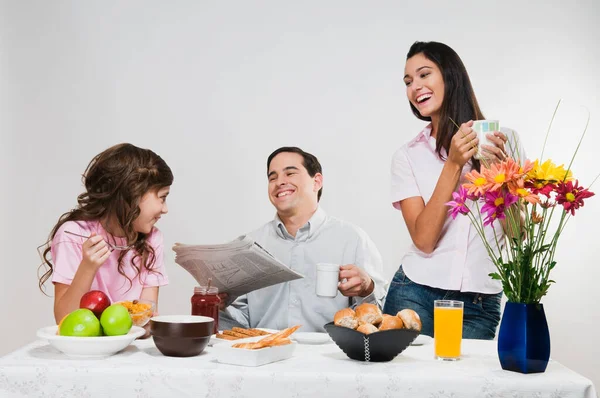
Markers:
<point>66,253</point>
<point>514,146</point>
<point>236,314</point>
<point>404,184</point>
<point>158,275</point>
<point>368,258</point>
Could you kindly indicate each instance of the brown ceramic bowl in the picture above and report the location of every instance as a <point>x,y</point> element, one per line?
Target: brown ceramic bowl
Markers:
<point>181,335</point>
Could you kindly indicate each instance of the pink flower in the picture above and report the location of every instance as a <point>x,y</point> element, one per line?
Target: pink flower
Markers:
<point>458,206</point>
<point>571,195</point>
<point>540,187</point>
<point>496,202</point>
<point>492,217</point>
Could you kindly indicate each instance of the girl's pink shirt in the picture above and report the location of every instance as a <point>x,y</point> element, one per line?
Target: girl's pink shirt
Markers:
<point>66,252</point>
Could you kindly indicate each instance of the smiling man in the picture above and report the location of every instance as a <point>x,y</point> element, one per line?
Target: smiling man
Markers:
<point>300,236</point>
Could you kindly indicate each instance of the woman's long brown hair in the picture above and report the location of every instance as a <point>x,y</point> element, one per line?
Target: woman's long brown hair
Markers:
<point>459,103</point>
<point>115,181</point>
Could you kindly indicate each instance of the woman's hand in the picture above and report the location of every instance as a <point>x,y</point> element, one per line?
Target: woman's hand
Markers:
<point>95,252</point>
<point>495,153</point>
<point>463,145</point>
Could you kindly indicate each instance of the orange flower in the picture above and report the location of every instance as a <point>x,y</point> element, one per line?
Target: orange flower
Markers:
<point>536,218</point>
<point>526,168</point>
<point>517,188</point>
<point>498,175</point>
<point>513,169</point>
<point>477,183</point>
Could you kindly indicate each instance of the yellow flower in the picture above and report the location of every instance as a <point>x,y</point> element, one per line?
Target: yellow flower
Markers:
<point>548,172</point>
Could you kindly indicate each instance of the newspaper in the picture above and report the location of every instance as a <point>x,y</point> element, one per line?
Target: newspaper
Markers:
<point>237,267</point>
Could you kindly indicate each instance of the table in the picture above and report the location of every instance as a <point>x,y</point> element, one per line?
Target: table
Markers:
<point>315,370</point>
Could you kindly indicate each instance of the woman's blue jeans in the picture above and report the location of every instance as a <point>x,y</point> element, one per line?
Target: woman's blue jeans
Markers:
<point>481,311</point>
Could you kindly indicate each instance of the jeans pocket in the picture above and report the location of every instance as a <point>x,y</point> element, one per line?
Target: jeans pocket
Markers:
<point>400,278</point>
<point>490,304</point>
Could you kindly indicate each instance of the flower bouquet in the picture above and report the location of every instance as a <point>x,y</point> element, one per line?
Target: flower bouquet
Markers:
<point>522,199</point>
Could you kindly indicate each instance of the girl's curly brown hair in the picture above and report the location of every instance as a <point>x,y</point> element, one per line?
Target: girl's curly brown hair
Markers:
<point>115,181</point>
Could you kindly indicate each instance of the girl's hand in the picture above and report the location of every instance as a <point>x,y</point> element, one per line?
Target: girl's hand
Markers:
<point>463,145</point>
<point>495,153</point>
<point>95,252</point>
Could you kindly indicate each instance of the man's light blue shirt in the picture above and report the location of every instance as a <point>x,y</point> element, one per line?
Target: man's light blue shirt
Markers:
<point>322,239</point>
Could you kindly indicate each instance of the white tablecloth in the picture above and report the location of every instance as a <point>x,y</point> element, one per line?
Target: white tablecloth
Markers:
<point>319,370</point>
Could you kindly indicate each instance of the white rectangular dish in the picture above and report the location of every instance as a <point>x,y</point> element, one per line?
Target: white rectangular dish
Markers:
<point>225,353</point>
<point>214,340</point>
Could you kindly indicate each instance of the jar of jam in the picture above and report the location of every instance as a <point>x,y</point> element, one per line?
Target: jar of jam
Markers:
<point>205,302</point>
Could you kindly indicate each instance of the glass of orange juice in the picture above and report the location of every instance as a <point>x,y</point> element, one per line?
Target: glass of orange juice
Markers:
<point>447,329</point>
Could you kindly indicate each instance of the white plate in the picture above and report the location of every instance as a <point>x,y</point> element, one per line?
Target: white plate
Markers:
<point>225,353</point>
<point>311,338</point>
<point>422,339</point>
<point>89,347</point>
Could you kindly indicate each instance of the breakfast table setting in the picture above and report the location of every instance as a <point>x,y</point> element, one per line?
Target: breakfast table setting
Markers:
<point>316,367</point>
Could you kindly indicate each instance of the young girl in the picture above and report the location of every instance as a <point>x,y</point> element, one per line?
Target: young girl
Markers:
<point>447,259</point>
<point>126,188</point>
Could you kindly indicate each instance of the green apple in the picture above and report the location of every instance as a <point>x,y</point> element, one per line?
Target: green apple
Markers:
<point>81,323</point>
<point>115,320</point>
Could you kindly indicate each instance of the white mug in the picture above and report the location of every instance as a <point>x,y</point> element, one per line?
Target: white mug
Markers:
<point>328,276</point>
<point>483,128</point>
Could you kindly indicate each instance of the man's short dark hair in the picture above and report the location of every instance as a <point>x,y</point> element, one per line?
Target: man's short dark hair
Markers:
<point>309,161</point>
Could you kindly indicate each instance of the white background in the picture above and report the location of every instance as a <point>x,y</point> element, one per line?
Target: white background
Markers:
<point>214,87</point>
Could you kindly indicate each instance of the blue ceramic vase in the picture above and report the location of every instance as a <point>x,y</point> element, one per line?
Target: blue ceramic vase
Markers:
<point>524,339</point>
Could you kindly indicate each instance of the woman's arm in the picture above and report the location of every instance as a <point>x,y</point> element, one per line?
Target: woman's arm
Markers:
<point>425,221</point>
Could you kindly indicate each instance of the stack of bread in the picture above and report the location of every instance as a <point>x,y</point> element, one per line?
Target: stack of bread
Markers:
<point>367,318</point>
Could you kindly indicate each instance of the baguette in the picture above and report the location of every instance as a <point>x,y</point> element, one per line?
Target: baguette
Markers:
<point>275,339</point>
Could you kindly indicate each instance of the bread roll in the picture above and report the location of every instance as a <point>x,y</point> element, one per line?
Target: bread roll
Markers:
<point>410,318</point>
<point>346,318</point>
<point>367,328</point>
<point>391,322</point>
<point>368,313</point>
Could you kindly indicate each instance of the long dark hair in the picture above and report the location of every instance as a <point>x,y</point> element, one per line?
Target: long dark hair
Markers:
<point>115,181</point>
<point>309,161</point>
<point>459,103</point>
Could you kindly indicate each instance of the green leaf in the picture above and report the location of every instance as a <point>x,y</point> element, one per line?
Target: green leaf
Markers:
<point>495,276</point>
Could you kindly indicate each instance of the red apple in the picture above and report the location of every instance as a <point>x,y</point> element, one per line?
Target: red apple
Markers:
<point>95,301</point>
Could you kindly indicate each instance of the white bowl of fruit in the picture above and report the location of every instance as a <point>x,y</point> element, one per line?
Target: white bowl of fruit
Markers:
<point>97,329</point>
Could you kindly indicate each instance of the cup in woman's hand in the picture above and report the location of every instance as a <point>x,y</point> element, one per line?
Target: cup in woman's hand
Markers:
<point>328,276</point>
<point>483,128</point>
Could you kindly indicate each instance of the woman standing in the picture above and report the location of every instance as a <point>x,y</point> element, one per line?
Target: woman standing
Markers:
<point>447,259</point>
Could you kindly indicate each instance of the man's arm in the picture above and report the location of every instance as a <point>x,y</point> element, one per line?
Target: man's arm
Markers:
<point>365,282</point>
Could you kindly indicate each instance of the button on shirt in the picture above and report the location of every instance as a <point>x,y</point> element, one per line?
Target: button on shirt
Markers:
<point>459,260</point>
<point>322,239</point>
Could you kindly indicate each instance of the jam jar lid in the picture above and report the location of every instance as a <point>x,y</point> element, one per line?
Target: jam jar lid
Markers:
<point>206,290</point>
